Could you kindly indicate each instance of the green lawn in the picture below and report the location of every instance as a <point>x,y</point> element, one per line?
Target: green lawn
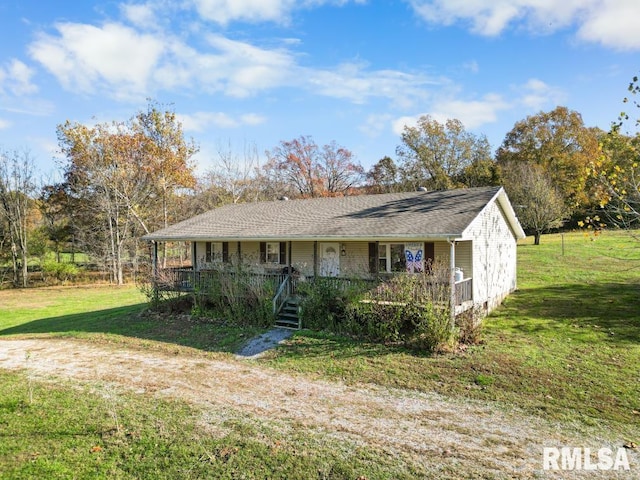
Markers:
<point>109,313</point>
<point>566,345</point>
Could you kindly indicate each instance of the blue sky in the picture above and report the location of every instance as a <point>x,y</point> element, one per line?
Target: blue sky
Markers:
<point>256,72</point>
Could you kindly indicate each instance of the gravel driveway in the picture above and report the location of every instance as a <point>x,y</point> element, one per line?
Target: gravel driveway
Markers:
<point>428,429</point>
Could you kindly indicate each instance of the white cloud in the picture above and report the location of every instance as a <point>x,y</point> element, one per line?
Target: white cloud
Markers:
<point>200,121</point>
<point>246,68</point>
<point>255,11</point>
<point>15,79</point>
<point>84,57</point>
<point>224,11</point>
<point>612,23</point>
<point>4,123</point>
<point>536,95</point>
<point>252,119</point>
<point>123,63</point>
<point>356,83</point>
<point>375,124</point>
<point>141,15</point>
<point>472,113</point>
<point>615,24</point>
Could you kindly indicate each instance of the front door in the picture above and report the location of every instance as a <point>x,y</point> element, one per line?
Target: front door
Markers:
<point>329,259</point>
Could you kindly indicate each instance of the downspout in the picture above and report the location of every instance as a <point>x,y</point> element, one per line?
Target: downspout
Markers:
<point>452,282</point>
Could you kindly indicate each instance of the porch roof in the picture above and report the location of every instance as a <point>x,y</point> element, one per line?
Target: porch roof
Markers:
<point>409,215</point>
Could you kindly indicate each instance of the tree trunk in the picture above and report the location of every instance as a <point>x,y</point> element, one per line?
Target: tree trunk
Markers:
<point>165,223</point>
<point>25,269</point>
<point>536,240</point>
<point>14,262</point>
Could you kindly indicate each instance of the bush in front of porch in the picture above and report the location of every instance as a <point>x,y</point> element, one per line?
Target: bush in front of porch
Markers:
<point>238,296</point>
<point>412,309</point>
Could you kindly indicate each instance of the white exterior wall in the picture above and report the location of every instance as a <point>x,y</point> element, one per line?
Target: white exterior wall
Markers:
<point>494,257</point>
<point>356,261</point>
<point>464,256</point>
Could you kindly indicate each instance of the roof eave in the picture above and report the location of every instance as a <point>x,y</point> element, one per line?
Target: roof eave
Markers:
<point>308,238</point>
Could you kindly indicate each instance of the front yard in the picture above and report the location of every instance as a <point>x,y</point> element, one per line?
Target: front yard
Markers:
<point>559,358</point>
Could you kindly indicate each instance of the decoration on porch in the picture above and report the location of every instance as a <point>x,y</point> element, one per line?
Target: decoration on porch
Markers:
<point>413,253</point>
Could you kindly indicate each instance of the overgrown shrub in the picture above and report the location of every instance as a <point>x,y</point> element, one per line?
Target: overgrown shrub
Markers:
<point>324,302</point>
<point>469,324</point>
<point>62,272</point>
<point>412,309</point>
<point>161,298</point>
<point>238,296</point>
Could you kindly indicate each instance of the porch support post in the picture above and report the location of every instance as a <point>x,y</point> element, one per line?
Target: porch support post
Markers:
<point>154,261</point>
<point>377,260</point>
<point>452,282</point>
<point>154,271</point>
<point>289,250</point>
<point>194,259</point>
<point>315,259</point>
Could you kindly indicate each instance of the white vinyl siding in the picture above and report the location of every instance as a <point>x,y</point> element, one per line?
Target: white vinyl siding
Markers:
<point>355,262</point>
<point>302,257</point>
<point>494,256</point>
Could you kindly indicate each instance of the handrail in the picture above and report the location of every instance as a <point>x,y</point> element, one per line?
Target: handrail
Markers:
<point>280,297</point>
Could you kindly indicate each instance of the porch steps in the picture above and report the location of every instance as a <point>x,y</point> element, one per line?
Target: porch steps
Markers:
<point>289,315</point>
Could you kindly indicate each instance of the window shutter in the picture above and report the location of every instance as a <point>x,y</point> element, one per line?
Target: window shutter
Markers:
<point>429,255</point>
<point>283,253</point>
<point>263,252</point>
<point>373,257</point>
<point>225,252</point>
<point>208,254</point>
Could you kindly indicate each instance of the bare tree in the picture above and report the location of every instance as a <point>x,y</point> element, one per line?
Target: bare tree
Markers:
<point>537,202</point>
<point>17,187</point>
<point>236,175</point>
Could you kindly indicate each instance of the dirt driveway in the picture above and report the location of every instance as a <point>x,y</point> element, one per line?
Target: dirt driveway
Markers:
<point>428,429</point>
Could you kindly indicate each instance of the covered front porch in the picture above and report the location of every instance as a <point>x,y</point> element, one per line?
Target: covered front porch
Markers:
<point>189,280</point>
<point>280,266</point>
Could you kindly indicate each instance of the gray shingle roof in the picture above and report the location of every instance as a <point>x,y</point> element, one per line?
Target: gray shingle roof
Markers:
<point>436,214</point>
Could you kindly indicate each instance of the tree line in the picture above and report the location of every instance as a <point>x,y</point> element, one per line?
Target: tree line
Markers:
<point>121,180</point>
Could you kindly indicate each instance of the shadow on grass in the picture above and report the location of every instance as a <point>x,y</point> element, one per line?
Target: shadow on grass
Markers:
<point>128,322</point>
<point>609,308</point>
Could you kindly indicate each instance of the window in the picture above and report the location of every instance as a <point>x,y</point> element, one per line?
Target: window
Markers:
<point>273,252</point>
<point>213,252</point>
<point>391,257</point>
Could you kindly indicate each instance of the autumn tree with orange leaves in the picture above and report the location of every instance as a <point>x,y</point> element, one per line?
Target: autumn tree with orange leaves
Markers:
<point>121,176</point>
<point>302,168</point>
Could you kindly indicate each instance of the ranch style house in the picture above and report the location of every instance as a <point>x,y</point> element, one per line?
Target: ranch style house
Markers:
<point>473,231</point>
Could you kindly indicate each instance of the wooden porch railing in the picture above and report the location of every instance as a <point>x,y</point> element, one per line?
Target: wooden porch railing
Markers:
<point>464,291</point>
<point>284,290</point>
<point>188,280</point>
